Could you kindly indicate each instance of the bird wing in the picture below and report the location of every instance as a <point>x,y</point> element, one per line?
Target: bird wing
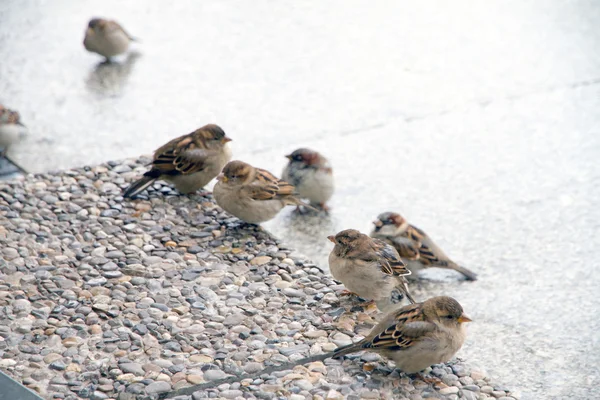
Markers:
<point>267,187</point>
<point>117,26</point>
<point>180,156</point>
<point>388,258</point>
<point>429,253</point>
<point>406,247</point>
<point>406,327</point>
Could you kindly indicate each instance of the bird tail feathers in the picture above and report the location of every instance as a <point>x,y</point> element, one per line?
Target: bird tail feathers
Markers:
<point>470,275</point>
<point>138,186</point>
<point>344,350</point>
<point>294,201</point>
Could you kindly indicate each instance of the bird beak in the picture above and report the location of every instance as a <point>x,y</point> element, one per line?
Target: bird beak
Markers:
<point>222,178</point>
<point>225,140</point>
<point>464,318</point>
<point>378,223</point>
<point>289,156</point>
<point>90,31</point>
<point>331,238</point>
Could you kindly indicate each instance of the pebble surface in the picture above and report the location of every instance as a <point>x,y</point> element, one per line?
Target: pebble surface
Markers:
<point>106,298</point>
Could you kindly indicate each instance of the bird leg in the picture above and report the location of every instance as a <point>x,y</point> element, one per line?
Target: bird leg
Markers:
<point>432,380</point>
<point>249,226</point>
<point>324,207</point>
<point>363,305</point>
<point>310,209</point>
<point>3,154</point>
<point>302,210</point>
<point>204,193</point>
<point>363,302</point>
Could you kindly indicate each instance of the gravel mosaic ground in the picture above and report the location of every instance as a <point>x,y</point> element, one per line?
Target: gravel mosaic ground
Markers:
<point>103,298</point>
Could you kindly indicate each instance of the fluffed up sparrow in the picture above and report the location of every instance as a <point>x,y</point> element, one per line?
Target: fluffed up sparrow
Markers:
<point>414,246</point>
<point>189,161</point>
<point>252,194</point>
<point>11,128</point>
<point>311,174</point>
<point>368,267</point>
<point>416,336</point>
<point>106,37</point>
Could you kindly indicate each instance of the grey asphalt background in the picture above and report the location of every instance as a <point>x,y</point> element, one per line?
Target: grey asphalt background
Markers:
<point>476,120</point>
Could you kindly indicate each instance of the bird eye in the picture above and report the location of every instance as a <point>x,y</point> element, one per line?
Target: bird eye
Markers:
<point>449,317</point>
<point>297,157</point>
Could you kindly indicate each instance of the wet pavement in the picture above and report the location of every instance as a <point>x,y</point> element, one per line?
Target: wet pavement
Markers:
<point>476,120</point>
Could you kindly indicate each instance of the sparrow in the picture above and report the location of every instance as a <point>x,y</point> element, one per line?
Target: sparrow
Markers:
<point>414,246</point>
<point>189,161</point>
<point>106,38</point>
<point>12,129</point>
<point>311,174</point>
<point>368,267</point>
<point>252,194</point>
<point>416,336</point>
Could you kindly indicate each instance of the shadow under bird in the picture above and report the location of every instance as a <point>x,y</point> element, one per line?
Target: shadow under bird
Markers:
<point>312,175</point>
<point>189,162</point>
<point>368,267</point>
<point>254,195</point>
<point>106,37</point>
<point>414,246</point>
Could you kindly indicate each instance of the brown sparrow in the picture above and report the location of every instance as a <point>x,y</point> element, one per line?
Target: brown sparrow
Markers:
<point>416,336</point>
<point>414,246</point>
<point>252,194</point>
<point>189,161</point>
<point>11,129</point>
<point>106,38</point>
<point>312,176</point>
<point>368,267</point>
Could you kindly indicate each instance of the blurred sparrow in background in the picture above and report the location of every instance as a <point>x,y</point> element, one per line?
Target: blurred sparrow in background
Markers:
<point>312,176</point>
<point>189,161</point>
<point>368,267</point>
<point>252,194</point>
<point>414,246</point>
<point>11,129</point>
<point>106,38</point>
<point>416,336</point>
